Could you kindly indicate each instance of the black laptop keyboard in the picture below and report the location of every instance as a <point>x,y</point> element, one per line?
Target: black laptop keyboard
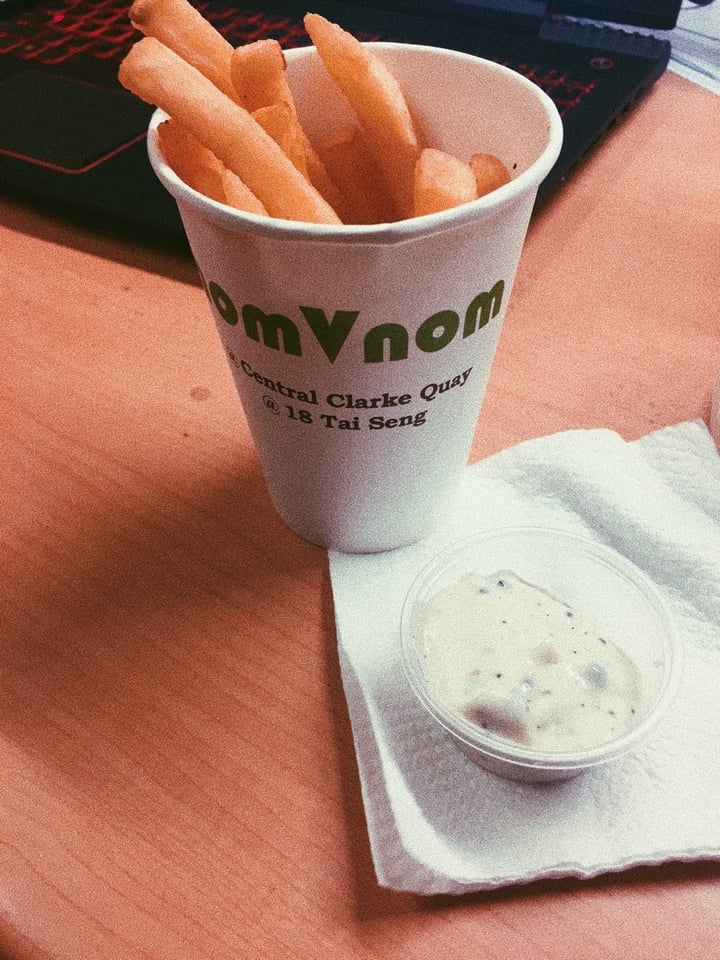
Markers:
<point>73,33</point>
<point>566,90</point>
<point>54,33</point>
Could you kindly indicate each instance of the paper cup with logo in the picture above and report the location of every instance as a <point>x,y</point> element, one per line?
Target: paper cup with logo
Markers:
<point>361,353</point>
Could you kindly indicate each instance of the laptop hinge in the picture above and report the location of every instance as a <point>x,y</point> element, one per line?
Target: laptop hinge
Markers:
<point>657,14</point>
<point>525,15</point>
<point>611,39</point>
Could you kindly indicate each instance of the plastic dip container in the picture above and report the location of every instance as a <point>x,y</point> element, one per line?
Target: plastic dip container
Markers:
<point>555,655</point>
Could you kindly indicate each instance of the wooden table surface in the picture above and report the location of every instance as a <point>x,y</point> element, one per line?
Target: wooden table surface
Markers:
<point>178,779</point>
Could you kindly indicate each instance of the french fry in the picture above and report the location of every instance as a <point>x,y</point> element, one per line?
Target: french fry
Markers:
<point>182,28</point>
<point>235,134</point>
<point>277,120</point>
<point>202,170</point>
<point>258,71</point>
<point>239,195</point>
<point>352,167</point>
<point>378,102</point>
<point>191,160</point>
<point>441,182</point>
<point>318,176</point>
<point>490,172</point>
<point>159,76</point>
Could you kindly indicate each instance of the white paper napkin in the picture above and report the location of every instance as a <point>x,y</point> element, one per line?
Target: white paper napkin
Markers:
<point>437,822</point>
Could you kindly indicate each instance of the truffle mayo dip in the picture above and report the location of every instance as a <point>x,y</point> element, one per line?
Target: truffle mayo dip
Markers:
<point>517,661</point>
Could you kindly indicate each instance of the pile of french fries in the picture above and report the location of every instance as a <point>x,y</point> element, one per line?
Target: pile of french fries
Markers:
<point>234,133</point>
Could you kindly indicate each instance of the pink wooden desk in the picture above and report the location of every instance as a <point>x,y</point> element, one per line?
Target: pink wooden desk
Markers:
<point>177,777</point>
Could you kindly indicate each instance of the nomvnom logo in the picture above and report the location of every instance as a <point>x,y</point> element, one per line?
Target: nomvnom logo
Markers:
<point>384,342</point>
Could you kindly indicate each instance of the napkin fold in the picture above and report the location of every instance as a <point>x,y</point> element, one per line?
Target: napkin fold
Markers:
<point>437,822</point>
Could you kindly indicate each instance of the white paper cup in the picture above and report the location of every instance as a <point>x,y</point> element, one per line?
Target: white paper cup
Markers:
<point>361,353</point>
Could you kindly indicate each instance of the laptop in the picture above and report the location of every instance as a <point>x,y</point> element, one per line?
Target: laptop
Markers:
<point>72,138</point>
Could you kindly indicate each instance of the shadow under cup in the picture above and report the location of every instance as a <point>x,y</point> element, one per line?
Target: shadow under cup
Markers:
<point>361,353</point>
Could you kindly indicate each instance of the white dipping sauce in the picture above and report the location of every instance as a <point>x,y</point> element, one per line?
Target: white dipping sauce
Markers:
<point>522,664</point>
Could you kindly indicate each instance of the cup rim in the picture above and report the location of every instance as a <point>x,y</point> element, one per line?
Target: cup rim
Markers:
<point>519,756</point>
<point>395,231</point>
